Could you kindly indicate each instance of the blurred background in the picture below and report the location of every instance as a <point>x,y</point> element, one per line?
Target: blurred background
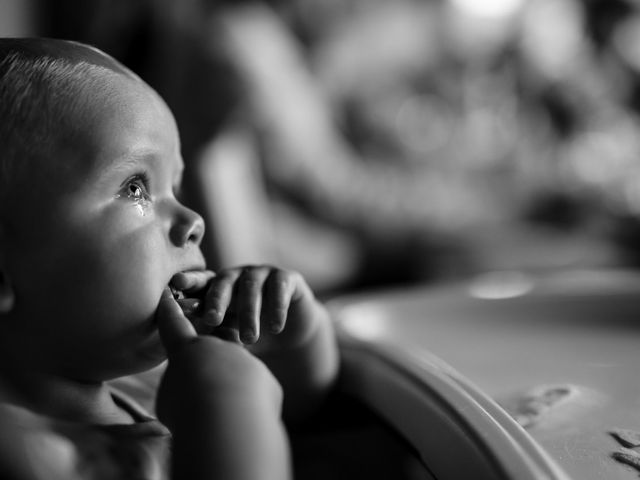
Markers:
<point>371,143</point>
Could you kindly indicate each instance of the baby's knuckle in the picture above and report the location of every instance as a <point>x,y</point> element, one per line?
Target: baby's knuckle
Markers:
<point>250,283</point>
<point>215,296</point>
<point>280,278</point>
<point>224,276</point>
<point>248,311</point>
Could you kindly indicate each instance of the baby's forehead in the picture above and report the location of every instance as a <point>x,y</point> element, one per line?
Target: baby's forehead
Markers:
<point>122,123</point>
<point>74,94</point>
<point>106,99</point>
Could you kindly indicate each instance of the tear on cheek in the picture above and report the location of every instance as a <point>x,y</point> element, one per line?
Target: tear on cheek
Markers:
<point>141,206</point>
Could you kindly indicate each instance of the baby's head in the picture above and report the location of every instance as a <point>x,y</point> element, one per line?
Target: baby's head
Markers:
<point>91,231</point>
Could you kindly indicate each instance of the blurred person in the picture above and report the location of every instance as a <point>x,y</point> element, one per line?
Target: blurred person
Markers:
<point>418,139</point>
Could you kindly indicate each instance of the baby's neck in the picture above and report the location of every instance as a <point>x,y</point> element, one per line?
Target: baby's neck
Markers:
<point>62,398</point>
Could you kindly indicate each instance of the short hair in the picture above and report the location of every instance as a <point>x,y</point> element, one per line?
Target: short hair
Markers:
<point>44,87</point>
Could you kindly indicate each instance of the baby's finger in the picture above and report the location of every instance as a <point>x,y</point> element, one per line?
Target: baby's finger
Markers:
<point>174,328</point>
<point>192,280</point>
<point>278,291</point>
<point>249,301</point>
<point>229,334</point>
<point>218,297</point>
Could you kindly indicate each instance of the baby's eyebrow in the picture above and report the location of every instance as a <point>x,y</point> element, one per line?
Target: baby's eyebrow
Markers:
<point>128,160</point>
<point>111,169</point>
<point>148,158</point>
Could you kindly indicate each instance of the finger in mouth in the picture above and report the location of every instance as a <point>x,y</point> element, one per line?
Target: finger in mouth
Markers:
<point>177,294</point>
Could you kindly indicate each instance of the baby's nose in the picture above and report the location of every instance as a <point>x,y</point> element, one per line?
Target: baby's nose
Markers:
<point>188,228</point>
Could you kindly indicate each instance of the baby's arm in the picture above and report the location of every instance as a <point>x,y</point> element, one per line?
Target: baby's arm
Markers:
<point>221,404</point>
<point>275,313</point>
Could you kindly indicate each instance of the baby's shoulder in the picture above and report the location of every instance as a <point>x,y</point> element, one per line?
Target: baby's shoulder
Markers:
<point>31,448</point>
<point>36,447</point>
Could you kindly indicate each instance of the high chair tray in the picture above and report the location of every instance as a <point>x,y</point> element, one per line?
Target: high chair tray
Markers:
<point>507,376</point>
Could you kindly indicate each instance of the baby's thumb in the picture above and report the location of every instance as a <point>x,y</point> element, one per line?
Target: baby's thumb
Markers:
<point>174,328</point>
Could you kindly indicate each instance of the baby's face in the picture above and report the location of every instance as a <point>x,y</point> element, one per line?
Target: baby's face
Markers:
<point>95,247</point>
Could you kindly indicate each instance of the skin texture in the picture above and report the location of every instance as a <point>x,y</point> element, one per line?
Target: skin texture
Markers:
<point>86,257</point>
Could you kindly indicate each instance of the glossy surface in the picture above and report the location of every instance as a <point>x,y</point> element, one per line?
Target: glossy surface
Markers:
<point>561,353</point>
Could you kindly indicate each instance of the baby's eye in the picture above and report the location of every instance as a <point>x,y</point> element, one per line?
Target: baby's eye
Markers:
<point>135,191</point>
<point>136,188</point>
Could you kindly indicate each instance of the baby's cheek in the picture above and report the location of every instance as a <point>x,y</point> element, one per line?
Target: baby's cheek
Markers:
<point>136,280</point>
<point>139,298</point>
<point>118,297</point>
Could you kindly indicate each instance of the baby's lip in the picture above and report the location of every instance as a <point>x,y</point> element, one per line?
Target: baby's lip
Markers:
<point>176,291</point>
<point>177,294</point>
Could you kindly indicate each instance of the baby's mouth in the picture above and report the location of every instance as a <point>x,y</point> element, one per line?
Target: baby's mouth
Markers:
<point>177,294</point>
<point>190,306</point>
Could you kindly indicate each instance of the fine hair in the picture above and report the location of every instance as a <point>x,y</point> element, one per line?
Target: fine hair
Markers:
<point>46,90</point>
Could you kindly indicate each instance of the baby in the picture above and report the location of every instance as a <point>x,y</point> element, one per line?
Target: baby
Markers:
<point>102,277</point>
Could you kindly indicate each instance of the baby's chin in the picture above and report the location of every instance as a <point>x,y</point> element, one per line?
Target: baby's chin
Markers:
<point>137,360</point>
<point>146,350</point>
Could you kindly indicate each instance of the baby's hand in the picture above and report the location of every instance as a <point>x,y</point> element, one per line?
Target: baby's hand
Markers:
<point>276,315</point>
<point>221,403</point>
<point>200,368</point>
<point>250,303</point>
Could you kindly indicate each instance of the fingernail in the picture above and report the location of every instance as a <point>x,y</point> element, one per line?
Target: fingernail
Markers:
<point>248,335</point>
<point>274,327</point>
<point>212,318</point>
